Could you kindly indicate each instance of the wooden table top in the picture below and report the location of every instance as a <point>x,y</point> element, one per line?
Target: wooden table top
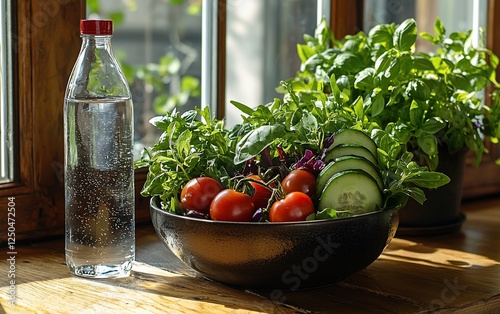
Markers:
<point>457,273</point>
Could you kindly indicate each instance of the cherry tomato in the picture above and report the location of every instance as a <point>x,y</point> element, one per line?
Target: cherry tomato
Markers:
<point>198,193</point>
<point>231,205</point>
<point>261,195</point>
<point>300,180</point>
<point>296,206</point>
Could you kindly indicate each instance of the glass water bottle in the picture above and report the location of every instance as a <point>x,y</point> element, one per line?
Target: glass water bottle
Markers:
<point>99,175</point>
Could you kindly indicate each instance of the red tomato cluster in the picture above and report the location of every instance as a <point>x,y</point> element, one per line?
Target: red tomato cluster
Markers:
<point>207,196</point>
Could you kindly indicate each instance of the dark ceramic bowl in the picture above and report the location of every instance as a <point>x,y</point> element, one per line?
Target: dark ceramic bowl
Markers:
<point>286,256</point>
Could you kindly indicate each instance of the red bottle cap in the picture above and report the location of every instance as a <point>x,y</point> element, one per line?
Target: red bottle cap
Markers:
<point>96,27</point>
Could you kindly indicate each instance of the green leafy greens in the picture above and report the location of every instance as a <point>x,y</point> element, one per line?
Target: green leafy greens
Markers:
<point>426,101</point>
<point>303,120</point>
<point>189,147</point>
<point>407,102</point>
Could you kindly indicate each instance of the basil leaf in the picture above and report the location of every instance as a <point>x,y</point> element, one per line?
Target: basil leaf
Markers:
<point>402,133</point>
<point>430,180</point>
<point>298,86</point>
<point>191,115</point>
<point>427,37</point>
<point>314,61</point>
<point>460,82</point>
<point>428,144</point>
<point>334,88</point>
<point>393,69</point>
<point>465,64</point>
<point>192,161</point>
<point>330,213</point>
<point>422,64</point>
<point>348,61</point>
<point>358,108</point>
<point>308,123</point>
<point>455,141</point>
<point>304,52</point>
<point>343,83</point>
<point>382,62</point>
<point>473,142</point>
<point>433,125</point>
<point>442,65</point>
<point>405,35</point>
<point>416,113</point>
<point>364,80</point>
<point>256,140</point>
<point>381,34</point>
<point>378,105</point>
<point>417,194</point>
<point>183,144</point>
<point>439,30</point>
<point>241,107</point>
<point>418,89</point>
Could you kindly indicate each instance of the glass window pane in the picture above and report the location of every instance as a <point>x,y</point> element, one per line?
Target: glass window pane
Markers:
<point>261,47</point>
<point>456,15</point>
<point>158,44</point>
<point>6,107</point>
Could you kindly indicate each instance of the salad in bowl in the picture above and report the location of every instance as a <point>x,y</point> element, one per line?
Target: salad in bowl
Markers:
<point>304,192</point>
<point>303,157</point>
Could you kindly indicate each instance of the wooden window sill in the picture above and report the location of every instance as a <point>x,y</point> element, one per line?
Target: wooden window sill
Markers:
<point>458,273</point>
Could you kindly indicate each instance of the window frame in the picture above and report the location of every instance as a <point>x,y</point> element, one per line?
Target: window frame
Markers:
<point>37,97</point>
<point>7,116</point>
<point>485,180</point>
<point>45,48</point>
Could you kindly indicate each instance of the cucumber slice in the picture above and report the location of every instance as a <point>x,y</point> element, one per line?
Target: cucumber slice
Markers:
<point>354,137</point>
<point>351,190</point>
<point>347,163</point>
<point>350,149</point>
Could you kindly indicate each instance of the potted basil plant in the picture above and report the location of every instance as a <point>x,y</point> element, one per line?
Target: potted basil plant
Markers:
<point>432,103</point>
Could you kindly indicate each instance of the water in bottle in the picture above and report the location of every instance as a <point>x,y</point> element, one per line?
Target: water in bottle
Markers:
<point>99,177</point>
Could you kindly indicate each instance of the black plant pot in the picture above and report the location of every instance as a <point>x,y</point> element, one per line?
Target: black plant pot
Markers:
<point>440,213</point>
